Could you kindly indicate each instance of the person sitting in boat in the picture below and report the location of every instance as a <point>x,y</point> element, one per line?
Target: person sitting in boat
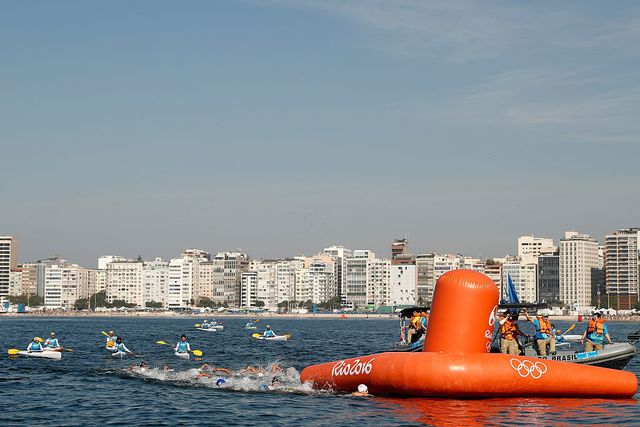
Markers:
<point>120,347</point>
<point>111,340</point>
<point>183,345</point>
<point>248,325</point>
<point>268,333</point>
<point>415,328</point>
<point>35,345</point>
<point>205,324</point>
<point>508,335</point>
<point>595,334</point>
<point>557,333</point>
<point>52,341</point>
<point>543,334</point>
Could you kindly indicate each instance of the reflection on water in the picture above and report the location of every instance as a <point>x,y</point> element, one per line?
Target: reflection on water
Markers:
<point>517,411</point>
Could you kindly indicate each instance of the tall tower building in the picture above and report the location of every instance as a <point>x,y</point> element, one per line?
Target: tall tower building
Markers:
<point>339,254</point>
<point>531,247</point>
<point>578,263</point>
<point>8,262</point>
<point>622,267</point>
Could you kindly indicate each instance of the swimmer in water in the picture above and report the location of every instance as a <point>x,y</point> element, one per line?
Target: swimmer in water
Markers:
<point>363,391</point>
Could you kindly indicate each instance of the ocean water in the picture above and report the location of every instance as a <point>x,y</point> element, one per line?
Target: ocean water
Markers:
<point>87,387</point>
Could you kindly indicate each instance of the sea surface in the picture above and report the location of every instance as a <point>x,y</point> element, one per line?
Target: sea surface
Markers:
<point>87,387</point>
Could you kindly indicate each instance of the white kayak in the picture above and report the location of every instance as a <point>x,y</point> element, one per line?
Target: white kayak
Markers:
<point>58,349</point>
<point>184,355</point>
<point>253,328</point>
<point>46,354</point>
<point>210,329</point>
<point>120,354</point>
<point>276,338</point>
<point>573,337</point>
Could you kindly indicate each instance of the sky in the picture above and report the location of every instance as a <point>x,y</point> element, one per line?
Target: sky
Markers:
<point>280,127</point>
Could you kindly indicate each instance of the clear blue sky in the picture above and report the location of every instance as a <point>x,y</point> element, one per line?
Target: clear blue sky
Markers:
<point>281,127</point>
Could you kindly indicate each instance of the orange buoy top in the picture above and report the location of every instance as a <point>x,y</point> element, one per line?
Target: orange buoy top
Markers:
<point>462,314</point>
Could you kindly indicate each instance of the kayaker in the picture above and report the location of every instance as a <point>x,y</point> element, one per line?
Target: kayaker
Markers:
<point>248,325</point>
<point>205,324</point>
<point>363,391</point>
<point>268,333</point>
<point>52,341</point>
<point>557,333</point>
<point>543,334</point>
<point>182,346</point>
<point>111,340</point>
<point>595,334</point>
<point>35,345</point>
<point>120,347</point>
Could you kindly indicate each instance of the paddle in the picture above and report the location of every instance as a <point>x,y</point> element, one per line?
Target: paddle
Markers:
<point>570,328</point>
<point>13,351</point>
<point>256,335</point>
<point>288,335</point>
<point>195,352</point>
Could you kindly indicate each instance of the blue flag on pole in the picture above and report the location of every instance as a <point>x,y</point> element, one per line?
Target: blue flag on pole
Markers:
<point>513,295</point>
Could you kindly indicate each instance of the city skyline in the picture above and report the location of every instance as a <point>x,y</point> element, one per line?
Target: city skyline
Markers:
<point>284,126</point>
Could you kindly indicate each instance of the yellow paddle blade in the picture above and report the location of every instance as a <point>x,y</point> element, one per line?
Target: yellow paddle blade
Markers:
<point>197,352</point>
<point>197,325</point>
<point>104,333</point>
<point>288,335</point>
<point>570,328</point>
<point>70,350</point>
<point>256,335</point>
<point>161,343</point>
<point>257,320</point>
<point>13,351</point>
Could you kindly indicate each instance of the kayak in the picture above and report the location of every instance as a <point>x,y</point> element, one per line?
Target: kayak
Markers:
<point>251,327</point>
<point>573,337</point>
<point>207,330</point>
<point>182,355</point>
<point>45,354</point>
<point>120,354</point>
<point>276,338</point>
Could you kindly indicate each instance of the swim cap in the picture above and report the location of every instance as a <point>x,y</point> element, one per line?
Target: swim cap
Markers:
<point>363,388</point>
<point>220,381</point>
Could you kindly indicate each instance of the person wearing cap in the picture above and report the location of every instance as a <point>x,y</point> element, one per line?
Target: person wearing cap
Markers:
<point>205,324</point>
<point>543,335</point>
<point>508,335</point>
<point>35,345</point>
<point>268,333</point>
<point>363,391</point>
<point>111,341</point>
<point>52,341</point>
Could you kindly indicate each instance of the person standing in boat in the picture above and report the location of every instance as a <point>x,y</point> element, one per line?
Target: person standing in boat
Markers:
<point>183,345</point>
<point>543,335</point>
<point>508,337</point>
<point>595,334</point>
<point>52,341</point>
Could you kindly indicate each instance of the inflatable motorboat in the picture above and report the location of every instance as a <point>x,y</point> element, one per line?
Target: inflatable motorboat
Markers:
<point>614,356</point>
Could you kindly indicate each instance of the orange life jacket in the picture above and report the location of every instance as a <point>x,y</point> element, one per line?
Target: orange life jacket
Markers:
<point>597,326</point>
<point>507,330</point>
<point>545,326</point>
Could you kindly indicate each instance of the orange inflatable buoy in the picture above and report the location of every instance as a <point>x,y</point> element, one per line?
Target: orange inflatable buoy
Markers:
<point>456,363</point>
<point>468,300</point>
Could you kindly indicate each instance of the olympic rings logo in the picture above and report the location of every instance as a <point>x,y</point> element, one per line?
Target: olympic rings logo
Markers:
<point>526,368</point>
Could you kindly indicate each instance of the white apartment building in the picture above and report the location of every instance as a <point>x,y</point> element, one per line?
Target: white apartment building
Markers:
<point>181,281</point>
<point>402,285</point>
<point>320,279</point>
<point>124,282</point>
<point>286,280</point>
<point>339,254</point>
<point>578,260</point>
<point>206,286</point>
<point>524,277</point>
<point>622,267</point>
<point>357,277</point>
<point>378,283</point>
<point>266,292</point>
<point>248,289</point>
<point>154,281</point>
<point>15,282</point>
<point>227,271</point>
<point>64,284</point>
<point>104,260</point>
<point>530,247</point>
<point>8,262</point>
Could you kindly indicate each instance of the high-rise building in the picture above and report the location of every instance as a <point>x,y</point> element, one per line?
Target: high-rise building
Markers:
<point>248,288</point>
<point>356,278</point>
<point>340,255</point>
<point>154,281</point>
<point>425,281</point>
<point>378,283</point>
<point>182,280</point>
<point>531,247</point>
<point>65,283</point>
<point>320,279</point>
<point>30,273</point>
<point>227,273</point>
<point>523,275</point>
<point>124,282</point>
<point>622,267</point>
<point>15,282</point>
<point>400,252</point>
<point>402,285</point>
<point>8,262</point>
<point>549,277</point>
<point>578,260</point>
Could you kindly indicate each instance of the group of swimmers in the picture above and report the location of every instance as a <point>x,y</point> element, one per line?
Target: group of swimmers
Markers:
<point>38,344</point>
<point>546,335</point>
